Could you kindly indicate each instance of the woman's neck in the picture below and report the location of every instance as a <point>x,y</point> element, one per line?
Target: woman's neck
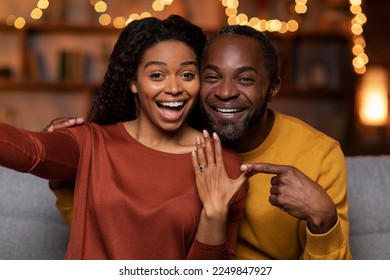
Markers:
<point>178,142</point>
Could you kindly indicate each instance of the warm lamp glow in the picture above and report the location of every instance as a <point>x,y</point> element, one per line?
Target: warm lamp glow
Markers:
<point>373,98</point>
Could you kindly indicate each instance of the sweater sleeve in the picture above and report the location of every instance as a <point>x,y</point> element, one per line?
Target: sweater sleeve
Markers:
<point>48,155</point>
<point>227,249</point>
<point>335,243</point>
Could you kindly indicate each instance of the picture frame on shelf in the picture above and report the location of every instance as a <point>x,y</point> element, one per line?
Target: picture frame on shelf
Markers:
<point>319,64</point>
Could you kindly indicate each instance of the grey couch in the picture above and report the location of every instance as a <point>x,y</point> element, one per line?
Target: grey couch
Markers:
<point>31,228</point>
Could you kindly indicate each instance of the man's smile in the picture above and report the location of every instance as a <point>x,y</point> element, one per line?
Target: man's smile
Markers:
<point>227,111</point>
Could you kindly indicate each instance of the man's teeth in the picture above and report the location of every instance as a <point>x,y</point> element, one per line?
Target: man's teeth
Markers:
<point>172,104</point>
<point>227,111</point>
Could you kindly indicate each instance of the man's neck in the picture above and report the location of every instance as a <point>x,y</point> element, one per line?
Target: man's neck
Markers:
<point>256,135</point>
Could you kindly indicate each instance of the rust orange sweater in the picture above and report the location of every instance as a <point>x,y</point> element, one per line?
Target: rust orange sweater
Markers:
<point>131,202</point>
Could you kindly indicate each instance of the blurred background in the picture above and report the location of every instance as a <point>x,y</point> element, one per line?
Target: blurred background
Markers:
<point>333,57</point>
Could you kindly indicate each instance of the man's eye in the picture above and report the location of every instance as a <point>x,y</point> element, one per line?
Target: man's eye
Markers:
<point>210,77</point>
<point>246,79</point>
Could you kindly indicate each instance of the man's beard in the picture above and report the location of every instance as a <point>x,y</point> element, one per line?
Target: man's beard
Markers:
<point>231,131</point>
<point>228,131</point>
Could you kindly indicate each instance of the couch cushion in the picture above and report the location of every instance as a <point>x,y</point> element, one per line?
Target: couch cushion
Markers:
<point>30,225</point>
<point>369,206</point>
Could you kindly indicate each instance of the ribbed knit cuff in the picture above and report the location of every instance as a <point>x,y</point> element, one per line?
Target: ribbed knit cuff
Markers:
<point>325,243</point>
<point>201,251</point>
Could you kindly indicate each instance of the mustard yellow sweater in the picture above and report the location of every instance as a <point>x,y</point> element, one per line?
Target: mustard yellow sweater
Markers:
<point>266,232</point>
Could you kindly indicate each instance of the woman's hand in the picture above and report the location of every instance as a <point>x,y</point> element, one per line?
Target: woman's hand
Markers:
<point>216,190</point>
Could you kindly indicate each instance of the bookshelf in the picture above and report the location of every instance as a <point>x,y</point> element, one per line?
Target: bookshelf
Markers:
<point>66,54</point>
<point>51,62</point>
<point>315,68</point>
<point>50,53</point>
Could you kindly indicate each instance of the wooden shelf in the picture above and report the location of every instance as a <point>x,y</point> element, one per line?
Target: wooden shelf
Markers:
<point>290,92</point>
<point>60,27</point>
<point>56,87</point>
<point>286,45</point>
<point>70,28</point>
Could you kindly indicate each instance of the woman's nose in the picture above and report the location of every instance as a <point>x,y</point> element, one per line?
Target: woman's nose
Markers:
<point>173,87</point>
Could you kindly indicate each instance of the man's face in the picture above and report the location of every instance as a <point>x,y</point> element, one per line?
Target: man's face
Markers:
<point>234,86</point>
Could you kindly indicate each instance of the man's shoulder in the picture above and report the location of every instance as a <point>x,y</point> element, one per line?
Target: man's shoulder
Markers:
<point>295,127</point>
<point>297,134</point>
<point>299,144</point>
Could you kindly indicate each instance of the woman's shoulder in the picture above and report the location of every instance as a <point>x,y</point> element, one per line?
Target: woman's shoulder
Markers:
<point>92,130</point>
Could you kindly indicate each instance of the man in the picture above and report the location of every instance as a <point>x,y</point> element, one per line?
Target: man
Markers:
<point>297,206</point>
<point>306,169</point>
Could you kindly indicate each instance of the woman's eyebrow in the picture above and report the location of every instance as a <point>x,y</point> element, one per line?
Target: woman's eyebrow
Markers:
<point>162,63</point>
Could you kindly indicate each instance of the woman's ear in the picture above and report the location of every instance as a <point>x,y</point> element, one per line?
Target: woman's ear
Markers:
<point>133,87</point>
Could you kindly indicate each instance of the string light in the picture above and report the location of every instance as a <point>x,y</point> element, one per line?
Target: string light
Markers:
<point>19,22</point>
<point>43,4</point>
<point>360,58</point>
<point>231,11</point>
<point>121,21</point>
<point>101,7</point>
<point>272,25</point>
<point>36,13</point>
<point>104,19</point>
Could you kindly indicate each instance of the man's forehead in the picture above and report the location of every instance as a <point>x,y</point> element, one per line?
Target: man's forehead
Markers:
<point>234,43</point>
<point>234,39</point>
<point>233,49</point>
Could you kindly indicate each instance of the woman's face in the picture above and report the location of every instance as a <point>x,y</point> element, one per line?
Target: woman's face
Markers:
<point>167,85</point>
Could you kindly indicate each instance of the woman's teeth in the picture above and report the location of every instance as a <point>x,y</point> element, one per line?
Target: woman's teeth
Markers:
<point>175,104</point>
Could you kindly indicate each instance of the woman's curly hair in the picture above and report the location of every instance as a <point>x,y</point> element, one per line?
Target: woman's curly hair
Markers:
<point>114,101</point>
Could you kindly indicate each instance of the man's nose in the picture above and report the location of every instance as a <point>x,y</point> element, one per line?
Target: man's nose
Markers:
<point>226,90</point>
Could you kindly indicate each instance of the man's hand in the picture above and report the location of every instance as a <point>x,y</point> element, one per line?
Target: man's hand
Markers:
<point>63,122</point>
<point>58,123</point>
<point>298,195</point>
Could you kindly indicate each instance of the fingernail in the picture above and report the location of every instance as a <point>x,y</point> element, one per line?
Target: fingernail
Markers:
<point>50,129</point>
<point>205,133</point>
<point>215,136</point>
<point>198,140</point>
<point>244,168</point>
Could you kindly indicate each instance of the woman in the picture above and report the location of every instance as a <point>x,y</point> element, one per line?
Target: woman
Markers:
<point>133,164</point>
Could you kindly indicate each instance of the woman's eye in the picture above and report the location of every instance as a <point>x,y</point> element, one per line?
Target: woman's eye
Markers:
<point>156,76</point>
<point>189,75</point>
